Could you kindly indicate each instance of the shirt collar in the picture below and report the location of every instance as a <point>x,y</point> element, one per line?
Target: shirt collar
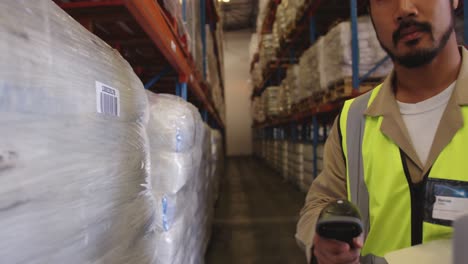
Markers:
<point>385,101</point>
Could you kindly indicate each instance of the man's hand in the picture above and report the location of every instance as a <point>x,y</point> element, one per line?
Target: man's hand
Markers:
<point>329,251</point>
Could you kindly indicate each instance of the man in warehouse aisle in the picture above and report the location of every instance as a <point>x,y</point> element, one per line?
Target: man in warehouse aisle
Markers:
<point>397,149</point>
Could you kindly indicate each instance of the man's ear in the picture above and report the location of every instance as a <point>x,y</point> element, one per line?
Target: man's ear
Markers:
<point>455,4</point>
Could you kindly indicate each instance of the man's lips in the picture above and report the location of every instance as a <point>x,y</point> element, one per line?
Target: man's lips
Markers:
<point>410,34</point>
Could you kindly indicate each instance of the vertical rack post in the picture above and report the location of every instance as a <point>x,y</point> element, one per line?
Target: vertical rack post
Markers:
<point>355,43</point>
<point>465,21</point>
<point>205,115</point>
<point>181,88</point>
<point>203,33</point>
<point>178,91</point>
<point>315,142</point>
<point>312,30</point>
<point>184,10</point>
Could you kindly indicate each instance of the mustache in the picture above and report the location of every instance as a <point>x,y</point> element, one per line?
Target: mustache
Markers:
<point>420,26</point>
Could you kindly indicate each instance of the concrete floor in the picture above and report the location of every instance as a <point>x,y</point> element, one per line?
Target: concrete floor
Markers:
<point>256,217</point>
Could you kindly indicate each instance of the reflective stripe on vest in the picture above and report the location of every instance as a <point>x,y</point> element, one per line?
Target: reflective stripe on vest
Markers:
<point>378,181</point>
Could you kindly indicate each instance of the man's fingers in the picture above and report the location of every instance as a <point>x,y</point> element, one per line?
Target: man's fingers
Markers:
<point>335,246</point>
<point>358,242</point>
<point>324,257</point>
<point>329,251</point>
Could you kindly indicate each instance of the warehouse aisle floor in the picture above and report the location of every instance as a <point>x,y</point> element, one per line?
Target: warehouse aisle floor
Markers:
<point>256,217</point>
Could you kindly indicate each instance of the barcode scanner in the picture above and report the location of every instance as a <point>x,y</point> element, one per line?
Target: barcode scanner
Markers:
<point>340,220</point>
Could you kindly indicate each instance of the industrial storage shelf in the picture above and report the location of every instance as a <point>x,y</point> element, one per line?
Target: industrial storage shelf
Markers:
<point>147,37</point>
<point>306,119</point>
<point>323,110</point>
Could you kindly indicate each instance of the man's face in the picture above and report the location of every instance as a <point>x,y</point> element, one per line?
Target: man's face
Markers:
<point>413,32</point>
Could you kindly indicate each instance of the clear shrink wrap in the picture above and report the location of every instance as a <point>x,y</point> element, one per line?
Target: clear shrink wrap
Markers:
<point>73,147</point>
<point>177,135</point>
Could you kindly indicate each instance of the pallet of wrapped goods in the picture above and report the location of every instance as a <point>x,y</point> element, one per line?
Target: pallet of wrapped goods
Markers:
<point>217,151</point>
<point>74,160</point>
<point>276,157</point>
<point>308,175</point>
<point>337,62</point>
<point>258,109</point>
<point>192,24</point>
<point>206,199</point>
<point>295,162</point>
<point>292,80</point>
<point>180,150</point>
<point>284,159</point>
<point>212,73</point>
<point>178,22</point>
<point>268,49</point>
<point>272,101</point>
<point>264,149</point>
<point>296,172</point>
<point>285,98</point>
<point>263,10</point>
<point>311,71</point>
<point>308,156</point>
<point>309,164</point>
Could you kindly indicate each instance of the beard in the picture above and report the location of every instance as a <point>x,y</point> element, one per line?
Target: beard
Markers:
<point>423,56</point>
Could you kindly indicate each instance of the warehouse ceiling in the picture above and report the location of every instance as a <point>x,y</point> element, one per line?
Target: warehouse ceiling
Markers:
<point>238,14</point>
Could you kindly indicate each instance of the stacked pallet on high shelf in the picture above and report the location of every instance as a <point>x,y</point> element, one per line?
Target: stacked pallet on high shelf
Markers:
<point>322,76</point>
<point>212,73</point>
<point>188,28</point>
<point>295,162</point>
<point>326,67</point>
<point>283,158</point>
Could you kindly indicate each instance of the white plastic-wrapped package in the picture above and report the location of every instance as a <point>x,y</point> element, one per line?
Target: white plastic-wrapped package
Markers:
<point>311,70</point>
<point>183,180</point>
<point>73,144</point>
<point>192,23</point>
<point>284,95</point>
<point>337,62</point>
<point>284,159</point>
<point>217,152</point>
<point>262,12</point>
<point>175,133</point>
<point>272,100</point>
<point>253,45</point>
<point>295,162</point>
<point>258,109</point>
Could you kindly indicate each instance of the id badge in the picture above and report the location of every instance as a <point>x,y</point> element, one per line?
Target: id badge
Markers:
<point>446,200</point>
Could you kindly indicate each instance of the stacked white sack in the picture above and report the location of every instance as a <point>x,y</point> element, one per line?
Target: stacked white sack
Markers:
<point>253,46</point>
<point>337,63</point>
<point>262,12</point>
<point>271,100</point>
<point>284,97</point>
<point>73,144</point>
<point>311,70</point>
<point>292,80</point>
<point>295,162</point>
<point>258,109</point>
<point>176,134</point>
<point>217,151</point>
<point>206,198</point>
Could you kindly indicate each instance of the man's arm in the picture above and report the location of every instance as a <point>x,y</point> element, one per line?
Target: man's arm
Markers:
<point>329,186</point>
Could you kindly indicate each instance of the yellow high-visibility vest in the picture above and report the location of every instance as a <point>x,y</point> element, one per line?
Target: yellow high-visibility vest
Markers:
<point>396,213</point>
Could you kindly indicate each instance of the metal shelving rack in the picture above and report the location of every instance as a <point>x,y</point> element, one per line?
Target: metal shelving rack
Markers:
<point>147,36</point>
<point>305,126</point>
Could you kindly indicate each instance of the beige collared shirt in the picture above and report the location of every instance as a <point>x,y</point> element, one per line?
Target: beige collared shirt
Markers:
<point>331,183</point>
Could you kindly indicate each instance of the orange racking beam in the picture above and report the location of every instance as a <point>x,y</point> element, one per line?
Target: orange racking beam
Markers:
<point>151,18</point>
